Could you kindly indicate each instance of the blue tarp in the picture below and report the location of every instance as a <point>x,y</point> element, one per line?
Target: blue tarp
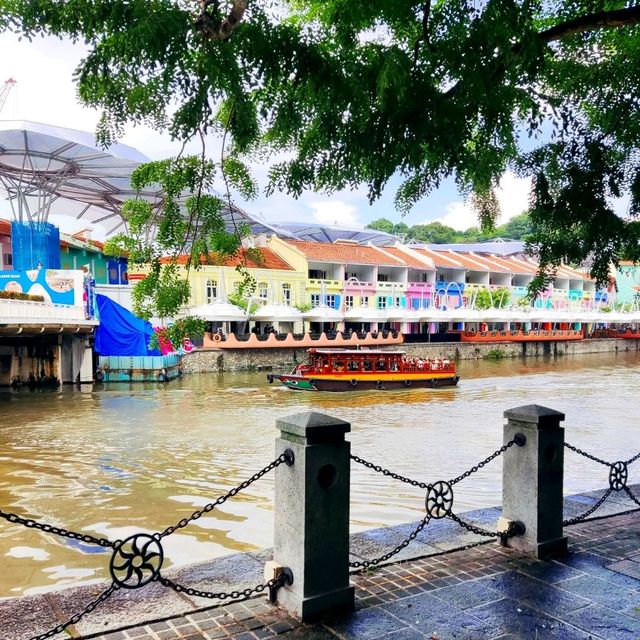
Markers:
<point>120,332</point>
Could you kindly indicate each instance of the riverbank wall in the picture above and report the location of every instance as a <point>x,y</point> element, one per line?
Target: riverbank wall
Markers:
<point>143,613</point>
<point>219,360</point>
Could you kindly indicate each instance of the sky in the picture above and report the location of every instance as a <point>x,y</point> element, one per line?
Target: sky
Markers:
<point>45,93</point>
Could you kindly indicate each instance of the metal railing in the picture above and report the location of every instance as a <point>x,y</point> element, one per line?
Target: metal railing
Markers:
<point>618,481</point>
<point>27,311</point>
<point>438,502</point>
<point>137,561</point>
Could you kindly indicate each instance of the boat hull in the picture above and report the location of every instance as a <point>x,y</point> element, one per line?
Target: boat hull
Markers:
<point>342,384</point>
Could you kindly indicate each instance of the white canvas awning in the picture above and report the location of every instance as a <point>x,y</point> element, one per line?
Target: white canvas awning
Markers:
<point>219,311</point>
<point>323,313</point>
<point>276,313</point>
<point>364,314</point>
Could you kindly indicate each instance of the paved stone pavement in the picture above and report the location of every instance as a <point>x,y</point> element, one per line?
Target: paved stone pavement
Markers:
<point>483,593</point>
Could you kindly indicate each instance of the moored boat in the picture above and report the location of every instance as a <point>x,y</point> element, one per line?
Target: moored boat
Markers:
<point>366,369</point>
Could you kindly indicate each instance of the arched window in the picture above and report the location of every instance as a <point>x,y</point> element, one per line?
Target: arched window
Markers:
<point>211,291</point>
<point>263,290</point>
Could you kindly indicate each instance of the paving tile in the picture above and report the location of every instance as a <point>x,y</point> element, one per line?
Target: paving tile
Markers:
<point>408,634</point>
<point>534,593</point>
<point>630,568</point>
<point>597,566</point>
<point>429,615</point>
<point>26,617</point>
<point>308,632</point>
<point>467,594</point>
<point>602,592</point>
<point>549,571</point>
<point>515,620</point>
<point>605,623</point>
<point>366,624</point>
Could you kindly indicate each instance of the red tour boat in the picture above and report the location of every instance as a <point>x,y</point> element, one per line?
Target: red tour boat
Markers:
<point>355,370</point>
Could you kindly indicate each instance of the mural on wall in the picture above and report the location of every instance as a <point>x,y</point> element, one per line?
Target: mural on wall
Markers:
<point>628,282</point>
<point>54,285</point>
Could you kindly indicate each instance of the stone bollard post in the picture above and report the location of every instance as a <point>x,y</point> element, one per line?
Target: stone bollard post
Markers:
<point>311,518</point>
<point>532,480</point>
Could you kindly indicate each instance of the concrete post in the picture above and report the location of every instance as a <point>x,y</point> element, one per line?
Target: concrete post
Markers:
<point>532,477</point>
<point>311,516</point>
<point>86,368</point>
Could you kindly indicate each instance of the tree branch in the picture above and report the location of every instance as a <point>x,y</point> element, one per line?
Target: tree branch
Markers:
<point>424,36</point>
<point>592,22</point>
<point>213,26</point>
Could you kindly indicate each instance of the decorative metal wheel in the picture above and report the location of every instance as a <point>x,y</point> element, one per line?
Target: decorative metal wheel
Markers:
<point>136,561</point>
<point>439,499</point>
<point>618,476</point>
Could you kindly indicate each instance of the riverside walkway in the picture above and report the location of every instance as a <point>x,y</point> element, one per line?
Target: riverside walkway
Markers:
<point>448,585</point>
<point>483,593</point>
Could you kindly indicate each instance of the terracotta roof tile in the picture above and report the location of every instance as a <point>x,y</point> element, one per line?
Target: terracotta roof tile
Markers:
<point>441,258</point>
<point>473,262</point>
<point>407,259</point>
<point>513,266</point>
<point>345,253</point>
<point>266,259</point>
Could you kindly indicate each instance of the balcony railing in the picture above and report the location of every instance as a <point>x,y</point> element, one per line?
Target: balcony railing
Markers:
<point>28,312</point>
<point>314,282</point>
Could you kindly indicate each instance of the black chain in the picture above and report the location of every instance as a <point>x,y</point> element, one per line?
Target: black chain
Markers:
<point>586,455</point>
<point>48,528</point>
<point>281,459</point>
<point>636,457</point>
<point>479,466</point>
<point>364,564</point>
<point>473,528</point>
<point>586,514</point>
<point>76,618</point>
<point>631,495</point>
<point>236,596</point>
<point>385,472</point>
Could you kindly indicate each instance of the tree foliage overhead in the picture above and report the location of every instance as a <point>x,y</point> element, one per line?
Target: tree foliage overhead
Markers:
<point>336,93</point>
<point>518,228</point>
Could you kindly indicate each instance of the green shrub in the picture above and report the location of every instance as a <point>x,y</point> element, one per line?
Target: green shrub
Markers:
<point>14,295</point>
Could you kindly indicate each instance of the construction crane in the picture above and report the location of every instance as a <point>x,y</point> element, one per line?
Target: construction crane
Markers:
<point>4,92</point>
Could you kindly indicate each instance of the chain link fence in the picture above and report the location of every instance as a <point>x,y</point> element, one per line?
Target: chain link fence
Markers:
<point>618,481</point>
<point>137,560</point>
<point>439,499</point>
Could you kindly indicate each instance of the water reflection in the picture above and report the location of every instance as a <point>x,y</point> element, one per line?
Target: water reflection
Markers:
<point>121,459</point>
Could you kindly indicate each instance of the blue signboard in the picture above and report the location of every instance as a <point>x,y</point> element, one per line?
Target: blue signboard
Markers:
<point>54,285</point>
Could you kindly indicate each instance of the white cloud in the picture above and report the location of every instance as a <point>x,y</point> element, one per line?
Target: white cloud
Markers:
<point>513,196</point>
<point>336,212</point>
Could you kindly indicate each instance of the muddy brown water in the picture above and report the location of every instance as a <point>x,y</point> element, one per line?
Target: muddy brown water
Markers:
<point>118,459</point>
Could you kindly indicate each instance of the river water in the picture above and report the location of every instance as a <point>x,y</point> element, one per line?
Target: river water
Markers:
<point>120,459</point>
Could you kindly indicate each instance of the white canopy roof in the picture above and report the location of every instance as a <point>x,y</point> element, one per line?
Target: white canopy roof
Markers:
<point>219,311</point>
<point>323,313</point>
<point>364,314</point>
<point>47,170</point>
<point>276,313</point>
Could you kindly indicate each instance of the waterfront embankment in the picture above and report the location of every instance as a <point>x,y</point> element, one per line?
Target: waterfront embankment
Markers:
<point>220,360</point>
<point>114,458</point>
<point>446,585</point>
